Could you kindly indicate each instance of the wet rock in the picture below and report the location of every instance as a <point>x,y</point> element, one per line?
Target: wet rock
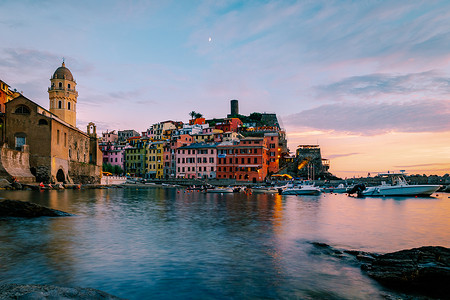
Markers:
<point>4,184</point>
<point>16,185</point>
<point>38,292</point>
<point>425,269</point>
<point>323,248</point>
<point>14,208</point>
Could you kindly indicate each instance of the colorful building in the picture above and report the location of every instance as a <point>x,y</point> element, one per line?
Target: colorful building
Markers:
<point>113,154</point>
<point>170,153</point>
<point>135,157</point>
<point>244,160</point>
<point>155,160</point>
<point>197,161</point>
<point>229,124</point>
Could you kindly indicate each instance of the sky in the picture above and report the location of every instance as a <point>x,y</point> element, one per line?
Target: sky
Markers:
<point>368,81</point>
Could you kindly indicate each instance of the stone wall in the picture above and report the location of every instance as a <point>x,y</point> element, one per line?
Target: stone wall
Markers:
<point>15,164</point>
<point>84,173</point>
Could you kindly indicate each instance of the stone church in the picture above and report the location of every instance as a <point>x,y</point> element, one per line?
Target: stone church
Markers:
<point>58,150</point>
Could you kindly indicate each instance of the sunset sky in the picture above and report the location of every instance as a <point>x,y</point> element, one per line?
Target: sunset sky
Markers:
<point>369,81</point>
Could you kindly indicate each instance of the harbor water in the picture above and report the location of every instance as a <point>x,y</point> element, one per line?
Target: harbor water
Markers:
<point>164,243</point>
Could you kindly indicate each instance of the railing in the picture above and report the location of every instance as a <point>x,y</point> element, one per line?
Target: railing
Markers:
<point>54,88</point>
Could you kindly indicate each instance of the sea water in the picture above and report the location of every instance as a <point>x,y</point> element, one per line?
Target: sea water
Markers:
<point>165,243</point>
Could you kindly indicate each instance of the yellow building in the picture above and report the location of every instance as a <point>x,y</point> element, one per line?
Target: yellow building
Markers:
<point>155,164</point>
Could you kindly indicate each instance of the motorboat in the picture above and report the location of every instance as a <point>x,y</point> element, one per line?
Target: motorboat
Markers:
<point>267,190</point>
<point>399,187</point>
<point>220,190</point>
<point>301,190</point>
<point>340,189</point>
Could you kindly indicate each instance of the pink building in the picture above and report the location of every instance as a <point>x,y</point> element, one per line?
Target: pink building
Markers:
<point>197,161</point>
<point>113,154</point>
<point>170,153</point>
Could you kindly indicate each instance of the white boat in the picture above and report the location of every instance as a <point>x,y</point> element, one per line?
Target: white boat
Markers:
<point>266,190</point>
<point>340,189</point>
<point>301,190</point>
<point>220,190</point>
<point>399,187</point>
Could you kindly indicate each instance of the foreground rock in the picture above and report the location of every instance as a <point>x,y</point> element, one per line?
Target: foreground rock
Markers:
<point>21,209</point>
<point>424,270</point>
<point>38,292</point>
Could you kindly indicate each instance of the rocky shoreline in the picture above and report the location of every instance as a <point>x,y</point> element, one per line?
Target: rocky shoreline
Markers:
<point>22,209</point>
<point>422,271</point>
<point>12,291</point>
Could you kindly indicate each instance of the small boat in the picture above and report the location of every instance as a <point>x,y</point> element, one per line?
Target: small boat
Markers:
<point>220,190</point>
<point>399,187</point>
<point>266,190</point>
<point>301,190</point>
<point>340,189</point>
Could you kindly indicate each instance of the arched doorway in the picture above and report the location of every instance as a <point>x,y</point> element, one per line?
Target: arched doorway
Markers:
<point>60,177</point>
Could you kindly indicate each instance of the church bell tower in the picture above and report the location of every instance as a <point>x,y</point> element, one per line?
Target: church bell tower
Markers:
<point>63,95</point>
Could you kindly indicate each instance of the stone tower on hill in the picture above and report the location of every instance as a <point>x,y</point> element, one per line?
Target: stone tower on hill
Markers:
<point>63,95</point>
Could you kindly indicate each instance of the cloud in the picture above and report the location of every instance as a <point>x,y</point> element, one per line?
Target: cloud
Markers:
<point>332,156</point>
<point>430,83</point>
<point>424,165</point>
<point>376,118</point>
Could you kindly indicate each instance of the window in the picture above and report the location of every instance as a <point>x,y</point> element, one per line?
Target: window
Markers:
<point>42,122</point>
<point>20,139</point>
<point>22,110</point>
<point>59,104</point>
<point>57,137</point>
<point>60,85</point>
<point>255,160</point>
<point>68,86</point>
<point>68,105</point>
<point>65,139</point>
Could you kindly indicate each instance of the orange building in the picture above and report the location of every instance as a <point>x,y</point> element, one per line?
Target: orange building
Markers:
<point>244,160</point>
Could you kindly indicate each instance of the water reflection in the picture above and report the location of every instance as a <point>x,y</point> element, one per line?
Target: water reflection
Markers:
<point>170,244</point>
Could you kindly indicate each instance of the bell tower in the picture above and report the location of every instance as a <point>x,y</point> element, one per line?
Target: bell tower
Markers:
<point>63,95</point>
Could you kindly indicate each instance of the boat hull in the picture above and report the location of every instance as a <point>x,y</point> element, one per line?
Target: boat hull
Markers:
<point>406,190</point>
<point>300,192</point>
<point>220,191</point>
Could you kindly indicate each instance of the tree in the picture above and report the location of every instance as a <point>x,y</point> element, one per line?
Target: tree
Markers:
<point>192,114</point>
<point>117,170</point>
<point>107,167</point>
<point>198,115</point>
